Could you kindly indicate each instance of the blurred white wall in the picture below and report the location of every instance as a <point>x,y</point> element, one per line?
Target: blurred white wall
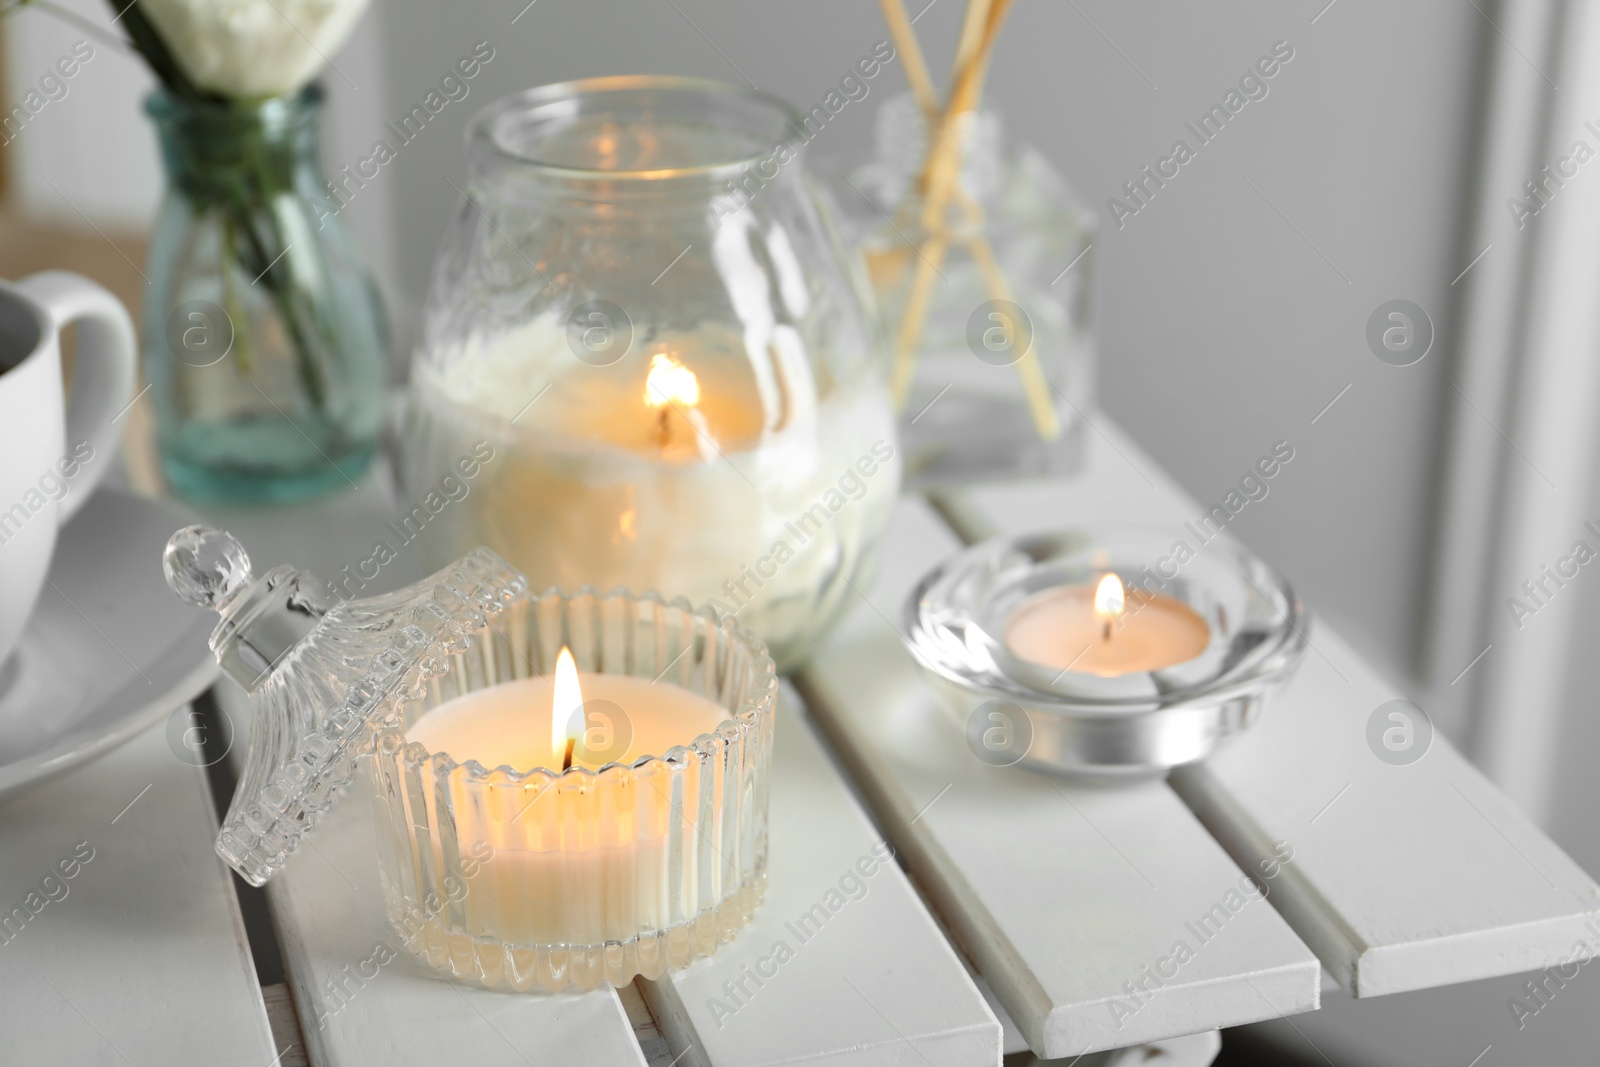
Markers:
<point>90,153</point>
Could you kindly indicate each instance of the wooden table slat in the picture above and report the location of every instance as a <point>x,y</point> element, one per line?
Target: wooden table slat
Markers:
<point>139,955</point>
<point>841,937</point>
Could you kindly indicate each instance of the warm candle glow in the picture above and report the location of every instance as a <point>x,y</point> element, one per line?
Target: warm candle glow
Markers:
<point>1109,598</point>
<point>591,862</point>
<point>670,382</point>
<point>671,387</point>
<point>566,709</point>
<point>1071,628</point>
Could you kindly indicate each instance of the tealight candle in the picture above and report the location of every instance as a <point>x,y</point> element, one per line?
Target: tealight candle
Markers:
<point>1091,676</point>
<point>603,868</point>
<point>1096,630</point>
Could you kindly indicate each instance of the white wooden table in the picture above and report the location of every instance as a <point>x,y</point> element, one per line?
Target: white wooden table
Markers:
<point>1024,912</point>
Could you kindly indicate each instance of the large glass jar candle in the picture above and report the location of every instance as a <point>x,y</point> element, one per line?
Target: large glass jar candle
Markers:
<point>645,343</point>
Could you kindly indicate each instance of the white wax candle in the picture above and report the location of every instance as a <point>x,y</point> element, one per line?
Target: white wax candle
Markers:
<point>1062,628</point>
<point>552,866</point>
<point>757,496</point>
<point>510,724</point>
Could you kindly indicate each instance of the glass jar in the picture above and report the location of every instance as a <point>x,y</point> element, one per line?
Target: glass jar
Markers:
<point>646,851</point>
<point>999,360</point>
<point>549,879</point>
<point>265,340</point>
<point>645,361</point>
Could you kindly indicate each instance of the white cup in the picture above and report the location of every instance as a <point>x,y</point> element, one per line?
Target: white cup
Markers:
<point>53,450</point>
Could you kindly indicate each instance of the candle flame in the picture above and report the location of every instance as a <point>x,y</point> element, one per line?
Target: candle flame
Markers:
<point>566,706</point>
<point>670,382</point>
<point>1110,599</point>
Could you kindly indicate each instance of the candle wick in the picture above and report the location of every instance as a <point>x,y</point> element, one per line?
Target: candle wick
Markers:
<point>1105,631</point>
<point>664,425</point>
<point>566,760</point>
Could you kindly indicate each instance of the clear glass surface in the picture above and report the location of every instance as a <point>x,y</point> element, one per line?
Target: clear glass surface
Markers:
<point>648,851</point>
<point>966,416</point>
<point>622,226</point>
<point>324,676</point>
<point>265,340</point>
<point>533,879</point>
<point>1138,722</point>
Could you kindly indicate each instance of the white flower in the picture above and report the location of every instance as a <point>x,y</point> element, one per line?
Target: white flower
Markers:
<point>252,48</point>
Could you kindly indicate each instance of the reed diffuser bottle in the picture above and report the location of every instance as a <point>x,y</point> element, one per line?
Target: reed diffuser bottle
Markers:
<point>980,258</point>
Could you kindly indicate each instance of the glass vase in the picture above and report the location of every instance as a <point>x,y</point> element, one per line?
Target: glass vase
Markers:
<point>265,341</point>
<point>646,361</point>
<point>996,354</point>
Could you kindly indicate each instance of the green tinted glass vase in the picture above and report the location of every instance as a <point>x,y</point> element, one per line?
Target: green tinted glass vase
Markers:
<point>265,341</point>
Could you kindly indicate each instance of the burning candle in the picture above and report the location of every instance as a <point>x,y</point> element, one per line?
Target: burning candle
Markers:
<point>680,469</point>
<point>554,866</point>
<point>1093,676</point>
<point>673,392</point>
<point>571,719</point>
<point>1101,629</point>
<point>756,469</point>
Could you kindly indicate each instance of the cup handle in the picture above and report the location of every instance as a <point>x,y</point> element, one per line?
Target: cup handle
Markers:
<point>102,385</point>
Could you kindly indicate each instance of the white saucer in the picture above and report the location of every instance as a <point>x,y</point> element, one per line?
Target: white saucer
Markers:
<point>109,650</point>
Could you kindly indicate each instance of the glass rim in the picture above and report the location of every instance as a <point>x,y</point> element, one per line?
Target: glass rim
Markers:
<point>480,130</point>
<point>758,702</point>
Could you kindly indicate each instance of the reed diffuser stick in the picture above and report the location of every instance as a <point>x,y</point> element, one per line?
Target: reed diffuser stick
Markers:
<point>1034,385</point>
<point>973,37</point>
<point>963,94</point>
<point>916,67</point>
<point>945,152</point>
<point>973,24</point>
<point>974,47</point>
<point>929,256</point>
<point>940,181</point>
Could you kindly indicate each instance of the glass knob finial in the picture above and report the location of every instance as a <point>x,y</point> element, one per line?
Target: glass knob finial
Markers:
<point>205,566</point>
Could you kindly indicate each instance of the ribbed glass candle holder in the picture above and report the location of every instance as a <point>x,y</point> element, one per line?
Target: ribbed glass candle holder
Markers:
<point>537,880</point>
